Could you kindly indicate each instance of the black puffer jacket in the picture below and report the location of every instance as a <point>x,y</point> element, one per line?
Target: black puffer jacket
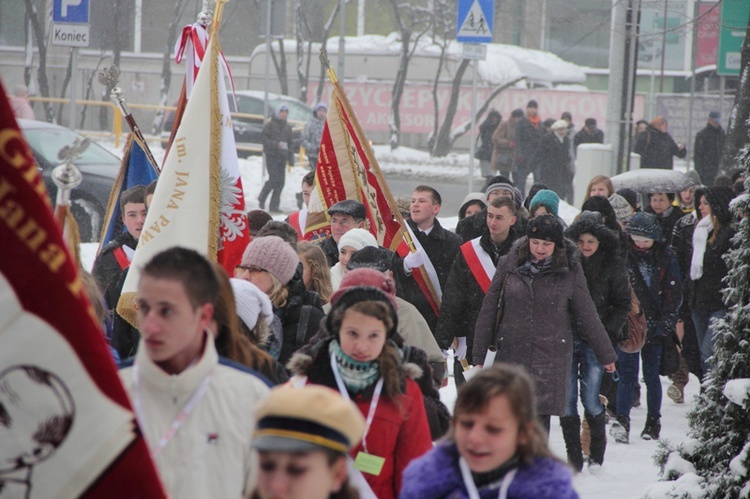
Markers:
<point>706,293</point>
<point>606,277</point>
<point>441,247</point>
<point>300,318</point>
<point>462,296</point>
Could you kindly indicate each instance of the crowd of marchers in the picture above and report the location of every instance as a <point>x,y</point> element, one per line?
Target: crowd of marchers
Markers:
<point>313,371</point>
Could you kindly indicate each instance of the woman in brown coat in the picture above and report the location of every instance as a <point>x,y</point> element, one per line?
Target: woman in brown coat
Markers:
<point>545,294</point>
<point>504,140</point>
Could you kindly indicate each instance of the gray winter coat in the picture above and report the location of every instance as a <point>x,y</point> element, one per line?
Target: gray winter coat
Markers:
<point>312,134</point>
<point>535,331</point>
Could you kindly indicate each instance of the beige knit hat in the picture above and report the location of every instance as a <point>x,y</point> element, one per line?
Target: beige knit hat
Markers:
<point>274,255</point>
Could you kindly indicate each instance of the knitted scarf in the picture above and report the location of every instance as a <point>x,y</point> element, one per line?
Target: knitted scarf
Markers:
<point>356,375</point>
<point>535,120</point>
<point>700,238</point>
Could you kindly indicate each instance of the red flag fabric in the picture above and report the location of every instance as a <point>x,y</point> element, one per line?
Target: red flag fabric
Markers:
<point>54,353</point>
<point>346,170</point>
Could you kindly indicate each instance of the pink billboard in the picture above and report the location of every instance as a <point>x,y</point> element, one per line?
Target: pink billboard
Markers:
<point>372,100</point>
<point>707,42</point>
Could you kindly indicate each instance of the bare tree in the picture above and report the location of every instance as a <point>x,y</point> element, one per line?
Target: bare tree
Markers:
<point>737,130</point>
<point>41,42</point>
<point>443,140</point>
<point>304,50</point>
<point>412,22</point>
<point>166,65</point>
<point>443,15</point>
<point>280,65</point>
<point>326,33</point>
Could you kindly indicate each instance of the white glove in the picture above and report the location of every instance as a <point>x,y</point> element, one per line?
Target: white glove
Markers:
<point>446,354</point>
<point>461,348</point>
<point>283,146</point>
<point>413,260</point>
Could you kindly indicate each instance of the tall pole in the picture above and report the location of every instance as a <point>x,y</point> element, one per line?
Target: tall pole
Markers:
<point>361,18</point>
<point>73,84</point>
<point>472,144</point>
<point>663,47</point>
<point>615,89</point>
<point>694,32</point>
<point>267,59</point>
<point>342,42</point>
<point>635,29</point>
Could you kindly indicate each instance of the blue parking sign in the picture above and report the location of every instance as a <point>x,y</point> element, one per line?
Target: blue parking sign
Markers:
<point>70,11</point>
<point>476,19</point>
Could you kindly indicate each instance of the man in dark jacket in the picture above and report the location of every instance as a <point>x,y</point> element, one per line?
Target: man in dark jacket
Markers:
<point>438,250</point>
<point>115,257</point>
<point>589,134</point>
<point>553,160</point>
<point>528,134</point>
<point>708,145</point>
<point>278,149</point>
<point>657,147</point>
<point>469,279</point>
<point>475,225</point>
<point>345,216</point>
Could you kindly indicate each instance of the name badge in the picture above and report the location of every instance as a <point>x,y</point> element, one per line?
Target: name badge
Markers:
<point>368,463</point>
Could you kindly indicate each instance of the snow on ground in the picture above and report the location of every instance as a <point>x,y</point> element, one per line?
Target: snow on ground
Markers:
<point>628,469</point>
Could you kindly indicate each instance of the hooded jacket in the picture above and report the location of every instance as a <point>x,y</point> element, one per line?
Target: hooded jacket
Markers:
<point>539,312</point>
<point>398,434</point>
<point>276,131</point>
<point>657,282</point>
<point>606,277</point>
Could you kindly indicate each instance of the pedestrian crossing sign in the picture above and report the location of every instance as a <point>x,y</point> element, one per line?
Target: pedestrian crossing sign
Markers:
<point>475,21</point>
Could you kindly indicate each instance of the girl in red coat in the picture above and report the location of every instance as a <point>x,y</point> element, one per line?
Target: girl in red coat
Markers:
<point>359,360</point>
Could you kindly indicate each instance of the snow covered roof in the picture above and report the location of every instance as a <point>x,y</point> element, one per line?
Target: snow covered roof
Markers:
<point>504,62</point>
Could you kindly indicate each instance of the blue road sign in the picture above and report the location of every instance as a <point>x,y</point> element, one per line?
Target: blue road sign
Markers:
<point>475,21</point>
<point>70,11</point>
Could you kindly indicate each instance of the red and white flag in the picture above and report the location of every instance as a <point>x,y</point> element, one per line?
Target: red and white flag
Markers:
<point>198,202</point>
<point>65,412</point>
<point>347,170</point>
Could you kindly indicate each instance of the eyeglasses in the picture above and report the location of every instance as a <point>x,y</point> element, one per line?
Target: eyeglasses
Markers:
<point>251,269</point>
<point>344,222</point>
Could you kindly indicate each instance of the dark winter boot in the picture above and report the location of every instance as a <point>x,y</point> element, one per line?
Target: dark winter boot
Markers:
<point>620,429</point>
<point>571,426</point>
<point>652,428</point>
<point>264,192</point>
<point>598,437</point>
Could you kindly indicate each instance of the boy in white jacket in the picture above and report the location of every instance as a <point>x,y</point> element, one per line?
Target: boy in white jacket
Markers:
<point>195,410</point>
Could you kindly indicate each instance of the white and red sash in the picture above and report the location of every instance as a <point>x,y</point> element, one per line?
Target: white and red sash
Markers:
<point>479,262</point>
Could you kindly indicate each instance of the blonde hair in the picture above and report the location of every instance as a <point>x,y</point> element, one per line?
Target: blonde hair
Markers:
<point>599,179</point>
<point>278,293</point>
<point>320,274</point>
